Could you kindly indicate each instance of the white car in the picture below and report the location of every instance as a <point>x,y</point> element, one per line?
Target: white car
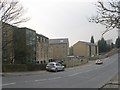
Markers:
<point>99,61</point>
<point>54,66</point>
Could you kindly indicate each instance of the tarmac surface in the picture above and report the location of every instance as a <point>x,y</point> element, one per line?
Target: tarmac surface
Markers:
<point>112,84</point>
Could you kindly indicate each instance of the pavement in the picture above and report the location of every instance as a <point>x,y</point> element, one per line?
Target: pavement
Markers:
<point>113,83</point>
<point>22,73</point>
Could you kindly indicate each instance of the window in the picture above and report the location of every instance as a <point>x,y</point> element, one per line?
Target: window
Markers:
<point>37,37</point>
<point>61,41</point>
<point>89,50</point>
<point>57,64</point>
<point>44,61</point>
<point>41,62</point>
<point>96,49</point>
<point>44,40</point>
<point>41,39</point>
<point>51,64</point>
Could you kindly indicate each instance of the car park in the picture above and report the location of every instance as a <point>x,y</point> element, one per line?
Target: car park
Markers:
<point>99,61</point>
<point>54,66</point>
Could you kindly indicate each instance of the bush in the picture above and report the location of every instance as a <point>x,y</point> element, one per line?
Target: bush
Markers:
<point>13,68</point>
<point>23,67</point>
<point>35,67</point>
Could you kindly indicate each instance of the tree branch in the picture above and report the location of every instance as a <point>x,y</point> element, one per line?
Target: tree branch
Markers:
<point>107,14</point>
<point>12,12</point>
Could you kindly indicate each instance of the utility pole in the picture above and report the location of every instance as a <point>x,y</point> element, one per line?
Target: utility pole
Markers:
<point>119,16</point>
<point>1,55</point>
<point>118,51</point>
<point>119,33</point>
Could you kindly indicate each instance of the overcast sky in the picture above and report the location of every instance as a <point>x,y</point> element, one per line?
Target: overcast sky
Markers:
<point>64,19</point>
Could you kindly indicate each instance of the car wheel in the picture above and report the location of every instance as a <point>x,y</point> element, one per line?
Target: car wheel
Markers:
<point>56,70</point>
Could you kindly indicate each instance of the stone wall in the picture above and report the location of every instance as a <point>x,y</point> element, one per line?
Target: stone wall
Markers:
<point>23,67</point>
<point>75,62</point>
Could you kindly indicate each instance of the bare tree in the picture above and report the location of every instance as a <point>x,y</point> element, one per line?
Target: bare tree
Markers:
<point>11,11</point>
<point>108,14</point>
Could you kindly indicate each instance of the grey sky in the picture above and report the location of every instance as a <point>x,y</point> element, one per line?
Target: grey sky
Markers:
<point>64,19</point>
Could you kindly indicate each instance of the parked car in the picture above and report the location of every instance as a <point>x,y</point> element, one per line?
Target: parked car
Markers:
<point>54,66</point>
<point>99,61</point>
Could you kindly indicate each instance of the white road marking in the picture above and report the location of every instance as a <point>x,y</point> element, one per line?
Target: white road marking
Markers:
<point>57,77</point>
<point>54,78</point>
<point>40,80</point>
<point>54,73</point>
<point>74,74</point>
<point>8,84</point>
<point>83,72</point>
<point>47,79</point>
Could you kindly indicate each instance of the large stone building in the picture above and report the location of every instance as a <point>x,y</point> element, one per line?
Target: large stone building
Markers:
<point>85,49</point>
<point>26,44</point>
<point>23,46</point>
<point>42,49</point>
<point>7,43</point>
<point>18,45</point>
<point>58,49</point>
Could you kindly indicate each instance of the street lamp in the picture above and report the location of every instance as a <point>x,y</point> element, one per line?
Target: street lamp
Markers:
<point>119,16</point>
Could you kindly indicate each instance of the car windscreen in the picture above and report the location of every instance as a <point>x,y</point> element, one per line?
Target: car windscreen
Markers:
<point>58,64</point>
<point>50,64</point>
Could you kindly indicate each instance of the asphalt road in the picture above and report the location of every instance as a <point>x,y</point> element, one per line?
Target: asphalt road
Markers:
<point>86,76</point>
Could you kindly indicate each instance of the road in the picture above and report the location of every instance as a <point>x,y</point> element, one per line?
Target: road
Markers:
<point>85,76</point>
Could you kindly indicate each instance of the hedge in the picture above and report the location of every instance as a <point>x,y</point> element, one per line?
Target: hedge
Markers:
<point>22,67</point>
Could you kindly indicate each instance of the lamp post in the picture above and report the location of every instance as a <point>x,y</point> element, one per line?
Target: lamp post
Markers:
<point>118,51</point>
<point>119,16</point>
<point>0,55</point>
